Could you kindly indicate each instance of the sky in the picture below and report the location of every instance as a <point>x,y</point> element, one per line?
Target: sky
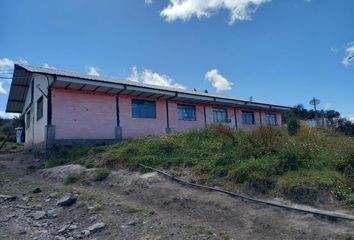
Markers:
<point>277,51</point>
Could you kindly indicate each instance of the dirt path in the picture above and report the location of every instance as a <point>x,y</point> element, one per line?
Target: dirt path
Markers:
<point>135,206</point>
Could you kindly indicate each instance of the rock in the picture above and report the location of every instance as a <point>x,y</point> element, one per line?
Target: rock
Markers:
<point>86,233</point>
<point>7,197</point>
<point>41,231</point>
<point>53,195</point>
<point>96,227</point>
<point>64,229</point>
<point>38,215</point>
<point>60,173</point>
<point>25,199</point>
<point>72,227</point>
<point>59,238</point>
<point>70,238</point>
<point>67,200</point>
<point>132,223</point>
<point>53,213</point>
<point>77,235</point>
<point>124,227</point>
<point>37,190</point>
<point>11,215</point>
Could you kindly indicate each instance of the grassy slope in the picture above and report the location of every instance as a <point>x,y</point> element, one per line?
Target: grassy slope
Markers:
<point>313,166</point>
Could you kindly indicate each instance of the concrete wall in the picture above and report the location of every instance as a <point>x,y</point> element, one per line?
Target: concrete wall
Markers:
<point>35,134</point>
<point>79,115</point>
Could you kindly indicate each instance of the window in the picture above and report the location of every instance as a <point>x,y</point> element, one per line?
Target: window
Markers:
<point>40,108</point>
<point>28,119</point>
<point>219,115</point>
<point>186,112</point>
<point>271,119</point>
<point>248,118</point>
<point>143,109</point>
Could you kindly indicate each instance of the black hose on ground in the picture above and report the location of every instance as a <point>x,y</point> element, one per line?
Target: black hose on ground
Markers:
<point>325,214</point>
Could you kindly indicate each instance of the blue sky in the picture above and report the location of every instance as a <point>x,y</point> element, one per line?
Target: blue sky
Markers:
<point>279,51</point>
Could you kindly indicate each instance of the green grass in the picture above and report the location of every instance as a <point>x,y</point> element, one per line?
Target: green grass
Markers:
<point>11,147</point>
<point>306,167</point>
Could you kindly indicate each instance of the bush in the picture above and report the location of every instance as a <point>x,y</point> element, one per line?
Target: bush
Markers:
<point>100,174</point>
<point>250,169</point>
<point>72,178</point>
<point>293,125</point>
<point>309,186</point>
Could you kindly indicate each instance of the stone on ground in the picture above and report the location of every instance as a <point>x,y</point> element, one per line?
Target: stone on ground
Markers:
<point>67,200</point>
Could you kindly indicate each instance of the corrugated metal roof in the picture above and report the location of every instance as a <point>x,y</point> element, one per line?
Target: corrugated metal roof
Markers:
<point>20,85</point>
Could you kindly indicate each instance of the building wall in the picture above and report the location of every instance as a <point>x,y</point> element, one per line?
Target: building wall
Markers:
<point>137,127</point>
<point>80,115</point>
<point>85,115</point>
<point>181,125</point>
<point>35,133</point>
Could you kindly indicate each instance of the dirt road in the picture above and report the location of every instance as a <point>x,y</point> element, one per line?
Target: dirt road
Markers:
<point>129,205</point>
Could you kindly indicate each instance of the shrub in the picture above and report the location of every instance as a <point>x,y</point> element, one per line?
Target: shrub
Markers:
<point>250,169</point>
<point>308,186</point>
<point>100,174</point>
<point>72,178</point>
<point>293,125</point>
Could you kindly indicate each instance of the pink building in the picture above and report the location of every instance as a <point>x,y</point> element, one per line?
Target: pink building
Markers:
<point>67,108</point>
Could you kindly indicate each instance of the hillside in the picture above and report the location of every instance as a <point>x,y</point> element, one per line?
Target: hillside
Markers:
<point>74,202</point>
<point>314,167</point>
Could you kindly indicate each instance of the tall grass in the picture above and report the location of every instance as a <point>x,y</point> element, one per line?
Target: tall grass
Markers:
<point>305,167</point>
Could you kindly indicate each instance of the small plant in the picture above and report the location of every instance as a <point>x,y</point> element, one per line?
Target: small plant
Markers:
<point>72,178</point>
<point>100,174</point>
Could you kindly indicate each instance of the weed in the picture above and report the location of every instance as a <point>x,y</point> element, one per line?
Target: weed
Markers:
<point>100,174</point>
<point>303,167</point>
<point>72,178</point>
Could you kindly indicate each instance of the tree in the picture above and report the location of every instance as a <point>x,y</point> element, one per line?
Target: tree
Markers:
<point>345,126</point>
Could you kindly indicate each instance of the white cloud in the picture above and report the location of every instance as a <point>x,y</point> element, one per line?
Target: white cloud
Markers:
<point>350,117</point>
<point>6,67</point>
<point>2,89</point>
<point>23,61</point>
<point>46,65</point>
<point>153,78</point>
<point>239,10</point>
<point>219,82</point>
<point>134,76</point>
<point>349,55</point>
<point>94,71</point>
<point>148,2</point>
<point>6,115</point>
<point>328,106</point>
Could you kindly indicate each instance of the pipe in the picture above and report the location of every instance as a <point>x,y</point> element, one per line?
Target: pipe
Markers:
<point>233,194</point>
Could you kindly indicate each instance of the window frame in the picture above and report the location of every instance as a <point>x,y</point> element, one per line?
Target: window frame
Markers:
<point>40,103</point>
<point>219,110</point>
<point>180,116</point>
<point>244,119</point>
<point>142,113</point>
<point>275,119</point>
<point>28,119</point>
